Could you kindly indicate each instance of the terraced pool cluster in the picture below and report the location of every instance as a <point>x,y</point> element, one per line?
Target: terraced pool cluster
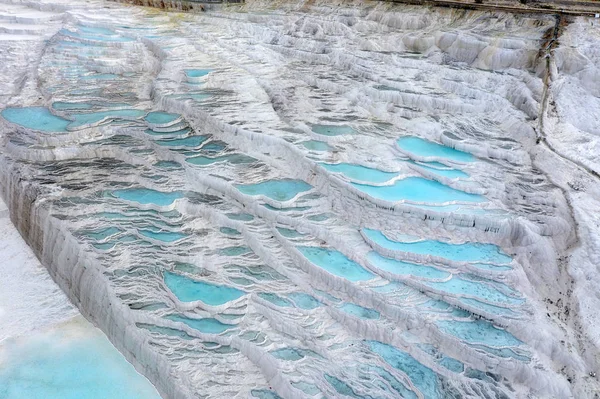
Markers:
<point>230,203</point>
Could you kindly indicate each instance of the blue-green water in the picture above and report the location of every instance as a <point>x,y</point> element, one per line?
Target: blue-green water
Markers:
<point>421,376</point>
<point>207,325</point>
<point>102,234</point>
<point>478,331</point>
<point>461,286</point>
<point>333,130</point>
<point>304,301</point>
<point>289,233</point>
<point>405,268</point>
<point>166,236</point>
<point>336,263</point>
<point>70,362</point>
<point>467,252</point>
<point>148,196</point>
<point>452,364</point>
<point>288,354</point>
<point>161,118</point>
<point>37,118</point>
<point>95,117</point>
<point>275,299</point>
<point>197,73</point>
<point>192,141</point>
<point>417,189</point>
<point>97,37</point>
<point>360,312</point>
<point>425,148</point>
<point>360,173</point>
<point>96,30</point>
<point>315,145</point>
<point>188,290</point>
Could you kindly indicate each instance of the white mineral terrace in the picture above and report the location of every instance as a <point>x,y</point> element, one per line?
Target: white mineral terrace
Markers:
<point>298,200</point>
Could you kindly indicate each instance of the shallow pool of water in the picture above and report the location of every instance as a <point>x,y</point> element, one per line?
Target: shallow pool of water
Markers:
<point>192,141</point>
<point>467,252</point>
<point>68,362</point>
<point>478,331</point>
<point>245,217</point>
<point>304,301</point>
<point>161,118</point>
<point>315,145</point>
<point>360,173</point>
<point>417,189</point>
<point>165,236</point>
<point>422,377</point>
<point>460,286</point>
<point>148,196</point>
<point>360,312</point>
<point>37,118</point>
<point>197,73</point>
<point>96,30</point>
<point>102,234</point>
<point>333,130</point>
<point>424,148</point>
<point>404,268</point>
<point>275,299</point>
<point>287,354</point>
<point>188,290</point>
<point>336,263</point>
<point>95,117</point>
<point>95,37</point>
<point>207,325</point>
<point>289,233</point>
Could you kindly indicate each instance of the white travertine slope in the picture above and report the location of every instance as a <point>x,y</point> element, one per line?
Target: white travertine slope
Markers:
<point>119,203</point>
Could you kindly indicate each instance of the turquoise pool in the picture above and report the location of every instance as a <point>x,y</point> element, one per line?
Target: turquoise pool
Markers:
<point>467,252</point>
<point>360,173</point>
<point>148,196</point>
<point>188,290</point>
<point>37,118</point>
<point>417,189</point>
<point>424,148</point>
<point>336,263</point>
<point>68,362</point>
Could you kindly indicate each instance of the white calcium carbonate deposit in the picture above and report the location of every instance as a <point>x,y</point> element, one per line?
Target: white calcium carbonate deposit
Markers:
<point>303,200</point>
